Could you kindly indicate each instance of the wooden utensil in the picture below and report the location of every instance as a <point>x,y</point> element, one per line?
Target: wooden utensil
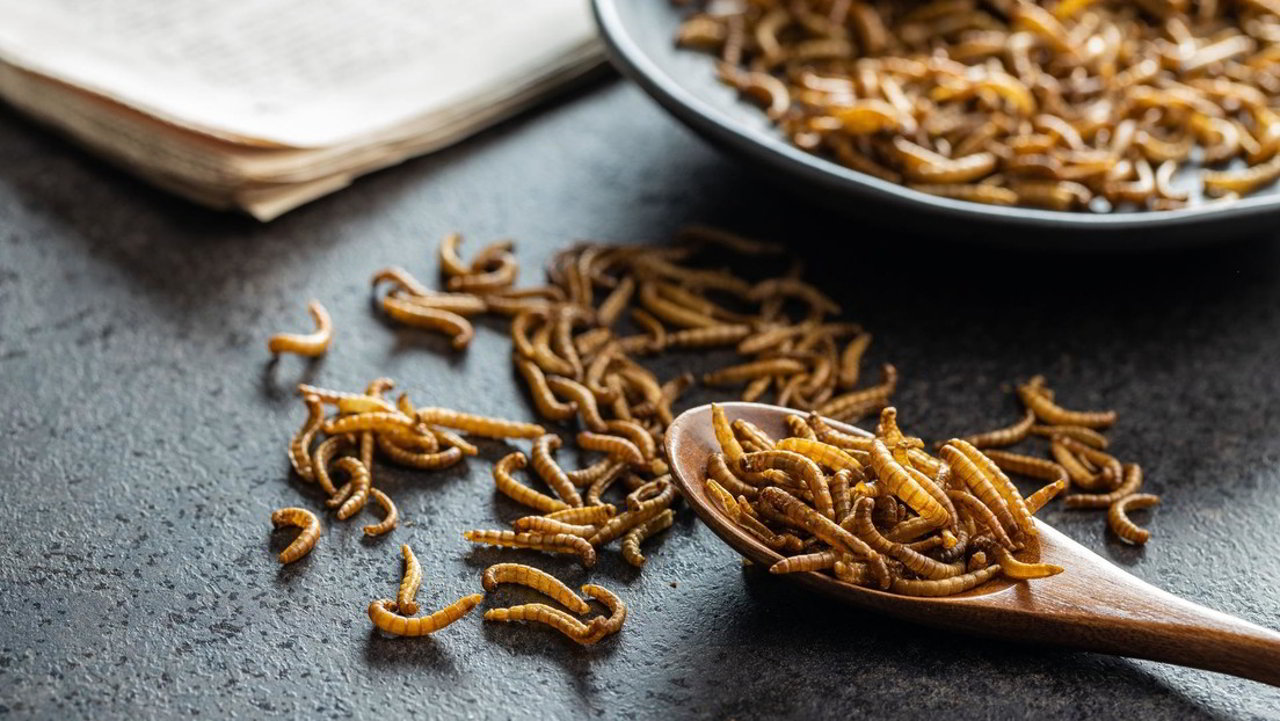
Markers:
<point>1093,606</point>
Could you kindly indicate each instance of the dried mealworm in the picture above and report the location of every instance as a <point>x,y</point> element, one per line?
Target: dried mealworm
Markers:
<point>859,403</point>
<point>520,325</point>
<point>635,433</point>
<point>453,440</point>
<point>652,327</point>
<point>623,522</point>
<point>320,461</point>
<point>390,515</point>
<point>1053,414</point>
<point>534,578</point>
<point>553,543</point>
<point>719,470</point>
<point>977,480</point>
<point>617,612</point>
<point>708,337</point>
<point>799,428</point>
<point>825,529</point>
<point>350,502</point>
<point>1028,465</point>
<point>326,395</point>
<point>827,434</point>
<point>898,482</point>
<point>644,381</point>
<point>1080,475</point>
<point>504,272</point>
<point>1112,471</point>
<point>594,472</point>
<point>613,304</point>
<point>517,491</point>
<point>1009,492</point>
<point>857,574</point>
<point>799,466</point>
<point>1011,567</point>
<point>1132,482</point>
<point>542,524</point>
<point>479,425</point>
<point>402,278</point>
<point>807,562</point>
<point>754,369</point>
<point>459,303</point>
<point>364,404</point>
<point>633,538</point>
<point>544,464</point>
<point>860,525</point>
<point>946,586</point>
<point>673,313</point>
<point>426,461</point>
<point>968,503</point>
<point>378,421</point>
<point>305,540</point>
<point>588,411</point>
<point>1006,436</point>
<point>459,329</point>
<point>547,405</point>
<point>1037,500</point>
<point>851,360</point>
<point>616,446</point>
<point>388,621</point>
<point>1079,433</point>
<point>594,515</point>
<point>1118,518</point>
<point>794,288</point>
<point>409,583</point>
<point>823,454</point>
<point>768,339</point>
<point>541,613</point>
<point>977,561</point>
<point>656,494</point>
<point>602,484</point>
<point>841,500</point>
<point>748,431</point>
<point>300,445</point>
<point>451,263</point>
<point>311,344</point>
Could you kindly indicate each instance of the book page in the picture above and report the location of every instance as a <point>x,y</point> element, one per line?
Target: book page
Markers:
<point>292,73</point>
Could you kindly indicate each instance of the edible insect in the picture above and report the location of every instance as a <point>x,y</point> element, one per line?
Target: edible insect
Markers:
<point>311,344</point>
<point>384,616</point>
<point>305,540</point>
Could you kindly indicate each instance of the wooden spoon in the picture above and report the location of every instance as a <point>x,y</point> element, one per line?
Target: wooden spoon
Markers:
<point>1092,606</point>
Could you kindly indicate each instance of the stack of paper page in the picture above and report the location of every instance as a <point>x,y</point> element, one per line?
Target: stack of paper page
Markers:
<point>264,105</point>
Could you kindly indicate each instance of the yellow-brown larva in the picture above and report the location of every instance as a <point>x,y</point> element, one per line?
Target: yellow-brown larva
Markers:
<point>754,369</point>
<point>702,234</point>
<point>402,279</point>
<point>635,433</point>
<point>614,303</point>
<point>449,439</point>
<point>364,404</point>
<point>534,578</point>
<point>633,538</point>
<point>354,498</point>
<point>409,582</point>
<point>858,574</point>
<point>824,454</point>
<point>856,404</point>
<point>459,303</point>
<point>595,471</point>
<point>602,484</point>
<point>860,525</point>
<point>542,524</point>
<point>1053,414</point>
<point>1079,433</point>
<point>724,499</point>
<point>897,481</point>
<point>517,491</point>
<point>615,446</point>
<point>623,522</point>
<point>653,330</point>
<point>564,318</point>
<point>756,388</point>
<point>976,479</point>
<point>719,470</point>
<point>846,441</point>
<point>1112,470</point>
<point>324,452</point>
<point>520,326</point>
<point>851,361</point>
<point>1037,500</point>
<point>300,444</point>
<point>977,562</point>
<point>553,543</point>
<point>426,461</point>
<point>305,540</point>
<point>841,500</point>
<point>594,514</point>
<point>794,288</point>
<point>504,272</point>
<point>311,344</point>
<point>807,562</point>
<point>799,466</point>
<point>592,342</point>
<point>617,612</point>
<point>544,464</point>
<point>1118,518</point>
<point>708,337</point>
<point>1132,482</point>
<point>544,401</point>
<point>458,328</point>
<point>1011,567</point>
<point>644,381</point>
<point>825,529</point>
<point>935,489</point>
<point>388,621</point>
<point>1006,436</point>
<point>451,263</point>
<point>544,614</point>
<point>582,396</point>
<point>479,425</point>
<point>596,371</point>
<point>378,422</point>
<point>799,428</point>
<point>969,504</point>
<point>748,431</point>
<point>946,586</point>
<point>1032,466</point>
<point>768,339</point>
<point>673,313</point>
<point>390,515</point>
<point>1009,492</point>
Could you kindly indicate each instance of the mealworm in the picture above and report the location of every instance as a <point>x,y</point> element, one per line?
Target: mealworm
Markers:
<point>823,454</point>
<point>748,431</point>
<point>1011,567</point>
<point>326,395</point>
<point>971,505</point>
<point>1079,474</point>
<point>652,327</point>
<point>719,470</point>
<point>504,304</point>
<point>378,421</point>
<point>566,317</point>
<point>300,444</point>
<point>617,612</point>
<point>799,466</point>
<point>614,303</point>
<point>534,578</point>
<point>829,435</point>
<point>544,614</point>
<point>636,433</point>
<point>1009,492</point>
<point>981,485</point>
<point>311,344</point>
<point>898,482</point>
<point>807,562</point>
<point>450,262</point>
<point>670,312</point>
<point>592,473</point>
<point>1037,500</point>
<point>794,288</point>
<point>1053,414</point>
<point>841,500</point>
<point>623,522</point>
<point>858,574</point>
<point>459,303</point>
<point>615,446</point>
<point>544,401</point>
<point>754,369</point>
<point>549,471</point>
<point>709,336</point>
<point>1132,482</point>
<point>860,525</point>
<point>504,272</point>
<point>479,425</point>
<point>459,329</point>
<point>594,377</point>
<point>1028,465</point>
<point>1006,436</point>
<point>645,382</point>
<point>520,331</point>
<point>938,492</point>
<point>591,341</point>
<point>517,491</point>
<point>409,583</point>
<point>602,484</point>
<point>1112,472</point>
<point>453,440</point>
<point>633,538</point>
<point>851,360</point>
<point>1118,517</point>
<point>946,586</point>
<point>825,530</point>
<point>351,501</point>
<point>305,540</point>
<point>542,524</point>
<point>402,278</point>
<point>388,621</point>
<point>724,499</point>
<point>552,543</point>
<point>799,428</point>
<point>320,461</point>
<point>1079,433</point>
<point>390,515</point>
<point>426,461</point>
<point>582,396</point>
<point>859,403</point>
<point>594,515</point>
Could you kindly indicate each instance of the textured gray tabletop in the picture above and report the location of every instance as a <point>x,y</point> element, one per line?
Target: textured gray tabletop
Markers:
<point>143,447</point>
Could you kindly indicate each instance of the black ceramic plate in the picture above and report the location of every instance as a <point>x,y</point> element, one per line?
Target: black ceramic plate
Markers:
<point>640,36</point>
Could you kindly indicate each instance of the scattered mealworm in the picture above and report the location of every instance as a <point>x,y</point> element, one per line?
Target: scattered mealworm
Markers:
<point>554,543</point>
<point>517,491</point>
<point>1051,413</point>
<point>1118,518</point>
<point>544,614</point>
<point>388,621</point>
<point>1006,436</point>
<point>594,514</point>
<point>458,328</point>
<point>632,540</point>
<point>409,583</point>
<point>350,503</point>
<point>544,464</point>
<point>1132,482</point>
<point>479,425</point>
<point>300,446</point>
<point>583,397</point>
<point>1079,433</point>
<point>617,612</point>
<point>538,580</point>
<point>615,446</point>
<point>390,515</point>
<point>312,344</point>
<point>305,540</point>
<point>544,525</point>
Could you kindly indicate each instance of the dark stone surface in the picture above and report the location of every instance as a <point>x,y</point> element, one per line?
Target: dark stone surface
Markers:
<point>143,436</point>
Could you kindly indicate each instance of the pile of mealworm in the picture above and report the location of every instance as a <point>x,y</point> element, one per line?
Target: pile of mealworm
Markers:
<point>1058,104</point>
<point>875,511</point>
<point>1079,456</point>
<point>580,366</point>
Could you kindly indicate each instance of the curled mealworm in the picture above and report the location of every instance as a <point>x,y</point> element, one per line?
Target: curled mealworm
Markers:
<point>390,515</point>
<point>1011,567</point>
<point>547,405</point>
<point>636,433</point>
<point>1051,413</point>
<point>859,403</point>
<point>402,279</point>
<point>544,464</point>
<point>409,583</point>
<point>615,446</point>
<point>448,438</point>
<point>647,385</point>
<point>1079,433</point>
<point>354,498</point>
<point>748,431</point>
<point>1028,465</point>
<point>651,326</point>
<point>799,428</point>
<point>592,473</point>
<point>459,329</point>
<point>1118,518</point>
<point>542,524</point>
<point>970,504</point>
<point>719,470</point>
<point>320,461</point>
<point>451,264</point>
<point>1037,500</point>
<point>544,614</point>
<point>602,484</point>
<point>633,538</point>
<point>388,621</point>
<point>311,344</point>
<point>1078,472</point>
<point>479,425</point>
<point>594,515</point>
<point>1132,482</point>
<point>426,461</point>
<point>617,612</point>
<point>582,396</point>
<point>1006,436</point>
<point>534,578</point>
<point>1112,472</point>
<point>553,543</point>
<point>305,540</point>
<point>623,522</point>
<point>300,445</point>
<point>503,274</point>
<point>946,586</point>
<point>517,491</point>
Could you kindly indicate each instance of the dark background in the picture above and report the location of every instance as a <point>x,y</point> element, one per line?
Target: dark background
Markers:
<point>144,435</point>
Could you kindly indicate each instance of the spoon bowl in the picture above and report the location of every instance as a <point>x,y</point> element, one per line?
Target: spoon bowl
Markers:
<point>1092,606</point>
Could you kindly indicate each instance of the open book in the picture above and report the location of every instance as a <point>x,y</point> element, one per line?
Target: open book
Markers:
<point>264,105</point>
